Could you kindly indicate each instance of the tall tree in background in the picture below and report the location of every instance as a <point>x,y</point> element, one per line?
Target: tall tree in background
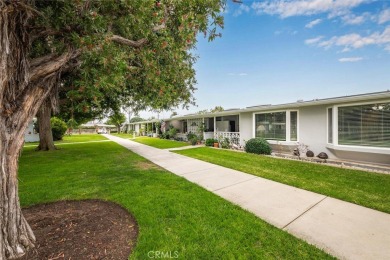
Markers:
<point>109,49</point>
<point>117,118</point>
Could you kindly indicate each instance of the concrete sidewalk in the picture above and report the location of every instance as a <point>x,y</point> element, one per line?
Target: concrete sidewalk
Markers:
<point>343,229</point>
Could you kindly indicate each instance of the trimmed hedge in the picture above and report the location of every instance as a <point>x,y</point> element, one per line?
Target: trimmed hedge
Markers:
<point>258,146</point>
<point>58,128</point>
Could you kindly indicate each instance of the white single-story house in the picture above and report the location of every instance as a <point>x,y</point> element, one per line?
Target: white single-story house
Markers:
<point>30,134</point>
<point>99,128</point>
<point>355,127</point>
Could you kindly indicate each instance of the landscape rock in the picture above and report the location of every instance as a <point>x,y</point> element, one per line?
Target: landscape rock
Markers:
<point>322,155</point>
<point>309,153</point>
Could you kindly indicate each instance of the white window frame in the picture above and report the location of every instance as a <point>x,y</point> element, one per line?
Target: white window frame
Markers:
<point>353,148</point>
<point>288,125</point>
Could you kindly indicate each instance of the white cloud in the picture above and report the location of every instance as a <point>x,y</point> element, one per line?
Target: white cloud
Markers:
<point>352,19</point>
<point>346,49</point>
<point>242,9</point>
<point>351,59</point>
<point>313,23</point>
<point>288,8</point>
<point>384,16</point>
<point>313,40</point>
<point>355,41</point>
<point>238,74</point>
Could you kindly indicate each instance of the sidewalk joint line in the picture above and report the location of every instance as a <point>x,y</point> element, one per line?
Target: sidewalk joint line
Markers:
<point>303,213</point>
<point>235,184</point>
<point>193,171</point>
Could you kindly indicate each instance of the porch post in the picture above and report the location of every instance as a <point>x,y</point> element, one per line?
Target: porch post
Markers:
<point>288,126</point>
<point>215,127</point>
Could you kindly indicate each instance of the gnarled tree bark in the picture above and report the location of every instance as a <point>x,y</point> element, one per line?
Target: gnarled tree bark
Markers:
<point>23,88</point>
<point>46,142</point>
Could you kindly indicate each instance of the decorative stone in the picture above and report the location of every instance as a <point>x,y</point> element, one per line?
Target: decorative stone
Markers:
<point>309,153</point>
<point>296,152</point>
<point>322,156</point>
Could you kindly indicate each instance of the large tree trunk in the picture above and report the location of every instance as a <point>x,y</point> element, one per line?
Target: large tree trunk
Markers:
<point>16,235</point>
<point>46,142</point>
<point>24,86</point>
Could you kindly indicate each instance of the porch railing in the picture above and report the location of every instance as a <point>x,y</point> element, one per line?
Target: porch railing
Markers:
<point>234,137</point>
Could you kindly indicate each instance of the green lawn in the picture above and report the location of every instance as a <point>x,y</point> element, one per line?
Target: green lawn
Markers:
<point>173,214</point>
<point>75,138</point>
<point>364,188</point>
<point>155,142</point>
<point>126,136</point>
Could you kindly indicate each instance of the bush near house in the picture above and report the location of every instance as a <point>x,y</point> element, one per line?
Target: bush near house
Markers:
<point>211,141</point>
<point>58,128</point>
<point>258,146</point>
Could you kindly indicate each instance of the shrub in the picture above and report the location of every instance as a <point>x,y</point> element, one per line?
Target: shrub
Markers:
<point>191,136</point>
<point>211,141</point>
<point>164,135</point>
<point>172,132</point>
<point>58,128</point>
<point>258,146</point>
<point>194,140</point>
<point>225,144</point>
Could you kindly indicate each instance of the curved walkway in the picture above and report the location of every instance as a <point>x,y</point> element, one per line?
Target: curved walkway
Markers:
<point>343,229</point>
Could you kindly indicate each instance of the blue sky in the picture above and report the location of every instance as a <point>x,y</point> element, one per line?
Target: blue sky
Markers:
<point>280,51</point>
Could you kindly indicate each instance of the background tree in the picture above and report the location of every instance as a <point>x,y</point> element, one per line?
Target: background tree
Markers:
<point>109,49</point>
<point>216,109</point>
<point>117,119</point>
<point>136,119</point>
<point>156,65</point>
<point>174,113</point>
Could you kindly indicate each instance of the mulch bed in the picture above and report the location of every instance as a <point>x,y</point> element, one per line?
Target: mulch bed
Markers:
<point>89,229</point>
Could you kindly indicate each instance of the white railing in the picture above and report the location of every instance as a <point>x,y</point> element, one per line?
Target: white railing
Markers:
<point>182,136</point>
<point>234,137</point>
<point>208,135</point>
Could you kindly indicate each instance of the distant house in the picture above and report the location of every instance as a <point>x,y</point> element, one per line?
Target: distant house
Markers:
<point>98,128</point>
<point>353,127</point>
<point>31,135</point>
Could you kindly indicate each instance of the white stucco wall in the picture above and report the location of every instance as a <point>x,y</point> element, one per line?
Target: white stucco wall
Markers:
<point>246,127</point>
<point>312,129</point>
<point>175,123</point>
<point>29,135</point>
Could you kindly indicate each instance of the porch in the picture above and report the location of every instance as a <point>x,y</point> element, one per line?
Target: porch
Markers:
<point>217,127</point>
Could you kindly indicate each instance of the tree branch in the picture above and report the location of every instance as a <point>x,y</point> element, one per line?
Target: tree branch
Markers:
<point>45,33</point>
<point>131,43</point>
<point>43,66</point>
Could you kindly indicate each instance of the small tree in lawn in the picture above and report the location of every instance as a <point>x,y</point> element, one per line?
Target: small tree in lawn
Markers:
<point>117,119</point>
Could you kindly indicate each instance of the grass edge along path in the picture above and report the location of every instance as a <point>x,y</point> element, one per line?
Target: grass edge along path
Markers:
<point>74,138</point>
<point>367,189</point>
<point>173,215</point>
<point>154,141</point>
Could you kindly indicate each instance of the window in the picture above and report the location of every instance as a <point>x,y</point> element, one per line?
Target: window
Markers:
<point>293,126</point>
<point>330,125</point>
<point>364,125</point>
<point>271,126</point>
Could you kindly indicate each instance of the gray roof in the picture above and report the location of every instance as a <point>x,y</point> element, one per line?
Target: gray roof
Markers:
<point>300,103</point>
